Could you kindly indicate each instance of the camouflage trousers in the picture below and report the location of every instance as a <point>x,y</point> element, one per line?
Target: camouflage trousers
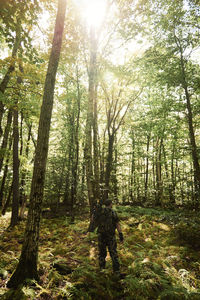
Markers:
<point>108,241</point>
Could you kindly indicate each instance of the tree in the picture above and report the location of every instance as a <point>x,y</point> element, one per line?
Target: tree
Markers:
<point>116,109</point>
<point>27,266</point>
<point>91,122</point>
<point>175,42</point>
<point>16,17</point>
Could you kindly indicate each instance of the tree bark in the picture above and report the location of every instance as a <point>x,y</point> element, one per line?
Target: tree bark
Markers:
<point>11,68</point>
<point>5,137</point>
<point>194,152</point>
<point>96,153</point>
<point>68,175</point>
<point>76,154</point>
<point>5,174</point>
<point>5,207</point>
<point>109,164</point>
<point>132,180</point>
<point>15,202</point>
<point>159,188</point>
<point>193,145</point>
<point>22,196</point>
<point>147,169</point>
<point>90,121</point>
<point>115,181</point>
<point>27,266</point>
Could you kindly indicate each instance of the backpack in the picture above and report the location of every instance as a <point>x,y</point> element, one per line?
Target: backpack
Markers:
<point>105,221</point>
<point>95,216</point>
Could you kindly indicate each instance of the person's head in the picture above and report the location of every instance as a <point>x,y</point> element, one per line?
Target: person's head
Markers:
<point>108,203</point>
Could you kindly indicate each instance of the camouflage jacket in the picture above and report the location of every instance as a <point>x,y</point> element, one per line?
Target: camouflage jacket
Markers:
<point>105,219</point>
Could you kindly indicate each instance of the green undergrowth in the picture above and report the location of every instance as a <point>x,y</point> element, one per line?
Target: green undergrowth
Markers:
<point>160,258</point>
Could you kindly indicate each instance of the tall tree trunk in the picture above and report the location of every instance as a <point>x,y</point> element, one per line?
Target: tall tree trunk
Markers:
<point>5,207</point>
<point>95,124</point>
<point>147,168</point>
<point>109,164</point>
<point>90,120</point>
<point>159,188</point>
<point>133,182</point>
<point>5,137</point>
<point>5,173</point>
<point>27,266</point>
<point>15,201</point>
<point>76,154</point>
<point>68,175</point>
<point>4,83</point>
<point>70,192</point>
<point>115,181</point>
<point>22,196</point>
<point>195,157</point>
<point>83,198</point>
<point>88,161</point>
<point>193,145</point>
<point>96,152</point>
<point>173,175</point>
<point>102,166</point>
<point>60,184</point>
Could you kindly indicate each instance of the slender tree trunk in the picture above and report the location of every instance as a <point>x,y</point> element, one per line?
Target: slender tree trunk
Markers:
<point>83,181</point>
<point>193,145</point>
<point>96,153</point>
<point>4,83</point>
<point>7,203</point>
<point>133,182</point>
<point>147,169</point>
<point>138,185</point>
<point>88,162</point>
<point>195,157</point>
<point>68,175</point>
<point>60,184</point>
<point>5,174</point>
<point>102,167</point>
<point>159,188</point>
<point>15,202</point>
<point>71,196</point>
<point>27,266</point>
<point>90,121</point>
<point>76,155</point>
<point>115,181</point>
<point>95,123</point>
<point>109,164</point>
<point>22,196</point>
<point>173,177</point>
<point>5,137</point>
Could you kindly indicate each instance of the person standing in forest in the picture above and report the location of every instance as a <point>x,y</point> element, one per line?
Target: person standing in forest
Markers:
<point>106,220</point>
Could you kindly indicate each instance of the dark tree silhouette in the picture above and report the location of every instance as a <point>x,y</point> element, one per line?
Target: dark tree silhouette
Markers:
<point>27,266</point>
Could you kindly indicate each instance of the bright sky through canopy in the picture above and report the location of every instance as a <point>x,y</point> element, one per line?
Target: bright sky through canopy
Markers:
<point>93,11</point>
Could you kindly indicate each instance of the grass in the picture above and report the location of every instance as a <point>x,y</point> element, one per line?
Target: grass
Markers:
<point>160,258</point>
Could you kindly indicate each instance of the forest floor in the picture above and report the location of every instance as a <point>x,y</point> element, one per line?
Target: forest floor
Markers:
<point>160,258</point>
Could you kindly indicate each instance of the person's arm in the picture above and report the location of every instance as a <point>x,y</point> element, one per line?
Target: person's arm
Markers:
<point>118,227</point>
<point>121,237</point>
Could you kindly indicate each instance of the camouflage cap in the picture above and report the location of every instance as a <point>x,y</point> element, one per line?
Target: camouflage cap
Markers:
<point>108,202</point>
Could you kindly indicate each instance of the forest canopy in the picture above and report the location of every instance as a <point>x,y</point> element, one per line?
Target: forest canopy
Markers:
<point>127,87</point>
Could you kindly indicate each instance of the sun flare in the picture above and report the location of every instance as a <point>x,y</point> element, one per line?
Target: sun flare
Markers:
<point>93,11</point>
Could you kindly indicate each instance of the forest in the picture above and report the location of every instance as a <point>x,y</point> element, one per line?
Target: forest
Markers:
<point>99,99</point>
